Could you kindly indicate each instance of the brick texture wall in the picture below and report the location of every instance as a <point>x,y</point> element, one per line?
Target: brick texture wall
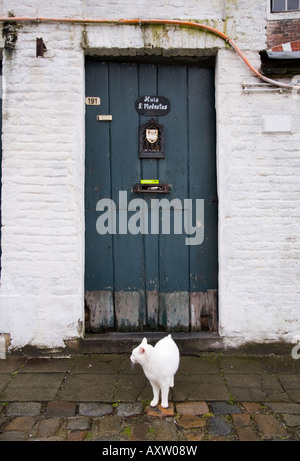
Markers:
<point>282,31</point>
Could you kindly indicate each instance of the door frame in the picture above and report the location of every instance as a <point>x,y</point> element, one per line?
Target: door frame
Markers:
<point>198,61</point>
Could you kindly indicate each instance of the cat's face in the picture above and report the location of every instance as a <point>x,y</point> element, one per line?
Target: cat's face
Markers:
<point>139,353</point>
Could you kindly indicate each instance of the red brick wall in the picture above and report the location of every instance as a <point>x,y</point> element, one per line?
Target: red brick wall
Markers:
<point>282,31</point>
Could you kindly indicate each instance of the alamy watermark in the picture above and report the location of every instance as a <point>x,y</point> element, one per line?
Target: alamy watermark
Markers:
<point>118,218</point>
<point>296,351</point>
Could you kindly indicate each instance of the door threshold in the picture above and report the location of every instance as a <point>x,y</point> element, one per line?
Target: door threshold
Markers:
<point>123,343</point>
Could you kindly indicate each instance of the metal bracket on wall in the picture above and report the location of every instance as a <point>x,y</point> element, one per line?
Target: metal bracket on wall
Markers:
<point>261,88</point>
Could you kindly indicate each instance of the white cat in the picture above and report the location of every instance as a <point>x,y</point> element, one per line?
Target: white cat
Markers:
<point>159,364</point>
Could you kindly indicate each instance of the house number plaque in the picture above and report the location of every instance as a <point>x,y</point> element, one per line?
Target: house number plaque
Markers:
<point>92,101</point>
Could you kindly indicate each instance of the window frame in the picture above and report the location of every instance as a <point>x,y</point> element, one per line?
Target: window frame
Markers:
<point>286,10</point>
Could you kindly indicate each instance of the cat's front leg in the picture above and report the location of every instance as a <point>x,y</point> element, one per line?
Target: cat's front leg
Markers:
<point>155,389</point>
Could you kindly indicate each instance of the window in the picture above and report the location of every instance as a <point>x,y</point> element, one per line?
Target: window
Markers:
<point>284,5</point>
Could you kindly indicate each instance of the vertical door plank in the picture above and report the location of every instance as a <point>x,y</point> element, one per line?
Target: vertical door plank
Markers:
<point>174,255</point>
<point>149,170</point>
<point>202,180</point>
<point>127,248</point>
<point>98,249</point>
<point>202,184</point>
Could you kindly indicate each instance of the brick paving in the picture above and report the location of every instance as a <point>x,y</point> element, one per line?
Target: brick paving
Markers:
<point>216,397</point>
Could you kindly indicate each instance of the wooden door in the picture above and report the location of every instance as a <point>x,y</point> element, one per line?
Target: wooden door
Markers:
<point>150,249</point>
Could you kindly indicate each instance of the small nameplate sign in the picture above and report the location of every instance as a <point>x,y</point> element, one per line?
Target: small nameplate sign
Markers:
<point>104,118</point>
<point>152,105</point>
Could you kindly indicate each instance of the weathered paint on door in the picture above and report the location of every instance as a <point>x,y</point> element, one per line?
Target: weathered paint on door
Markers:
<point>135,278</point>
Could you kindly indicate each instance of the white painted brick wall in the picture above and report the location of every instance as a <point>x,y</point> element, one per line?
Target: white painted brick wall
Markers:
<point>259,209</point>
<point>41,294</point>
<point>42,210</point>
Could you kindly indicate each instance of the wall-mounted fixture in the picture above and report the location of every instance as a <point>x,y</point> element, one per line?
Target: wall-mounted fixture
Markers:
<point>40,48</point>
<point>151,140</point>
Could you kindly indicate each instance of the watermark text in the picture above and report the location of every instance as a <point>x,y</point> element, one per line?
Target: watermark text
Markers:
<point>137,217</point>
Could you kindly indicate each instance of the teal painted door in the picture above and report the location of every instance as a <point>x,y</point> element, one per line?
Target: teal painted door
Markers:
<point>150,258</point>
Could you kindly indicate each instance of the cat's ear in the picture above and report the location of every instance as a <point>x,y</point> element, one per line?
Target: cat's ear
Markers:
<point>144,341</point>
<point>141,350</point>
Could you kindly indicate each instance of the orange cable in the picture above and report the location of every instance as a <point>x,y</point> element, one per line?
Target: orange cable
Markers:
<point>175,22</point>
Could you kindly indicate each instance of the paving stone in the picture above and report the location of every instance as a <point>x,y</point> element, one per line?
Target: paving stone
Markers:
<point>252,407</point>
<point>245,364</point>
<point>240,394</point>
<point>95,409</point>
<point>60,409</point>
<point>282,407</point>
<point>4,380</point>
<point>140,430</point>
<point>269,426</point>
<point>97,364</point>
<point>198,387</point>
<point>160,412</point>
<point>89,387</point>
<point>77,436</point>
<point>292,420</point>
<point>21,423</point>
<point>218,426</point>
<point>246,387</point>
<point>247,434</point>
<point>14,436</point>
<point>224,408</point>
<point>163,430</point>
<point>33,387</point>
<point>192,408</point>
<point>110,425</point>
<point>198,365</point>
<point>46,365</point>
<point>48,427</point>
<point>53,438</point>
<point>130,388</point>
<point>190,421</point>
<point>79,423</point>
<point>291,384</point>
<point>11,364</point>
<point>24,409</point>
<point>129,409</point>
<point>241,420</point>
<point>153,430</point>
<point>194,436</point>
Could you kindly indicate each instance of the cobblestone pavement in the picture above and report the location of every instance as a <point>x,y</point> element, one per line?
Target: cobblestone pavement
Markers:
<point>102,397</point>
